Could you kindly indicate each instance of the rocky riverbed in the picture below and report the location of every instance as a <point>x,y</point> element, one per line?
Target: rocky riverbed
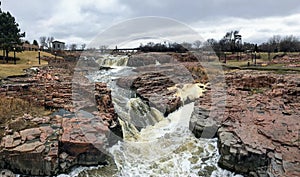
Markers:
<point>257,129</point>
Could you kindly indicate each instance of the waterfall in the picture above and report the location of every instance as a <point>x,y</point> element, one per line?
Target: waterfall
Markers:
<point>110,60</point>
<point>154,145</point>
<point>141,115</point>
<point>167,148</point>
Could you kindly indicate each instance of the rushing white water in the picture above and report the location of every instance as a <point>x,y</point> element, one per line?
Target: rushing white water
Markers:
<point>168,148</point>
<point>189,91</point>
<point>164,146</point>
<point>110,60</point>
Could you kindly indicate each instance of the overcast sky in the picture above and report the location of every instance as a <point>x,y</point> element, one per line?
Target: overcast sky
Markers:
<point>80,21</point>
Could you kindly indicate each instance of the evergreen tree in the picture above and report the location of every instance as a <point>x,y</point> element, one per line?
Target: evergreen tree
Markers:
<point>10,32</point>
<point>35,42</point>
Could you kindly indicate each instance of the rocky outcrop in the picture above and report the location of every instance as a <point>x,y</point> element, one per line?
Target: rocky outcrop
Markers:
<point>58,142</point>
<point>152,82</point>
<point>83,142</point>
<point>86,137</point>
<point>153,88</point>
<point>259,130</point>
<point>32,151</point>
<point>144,59</point>
<point>51,88</point>
<point>290,60</point>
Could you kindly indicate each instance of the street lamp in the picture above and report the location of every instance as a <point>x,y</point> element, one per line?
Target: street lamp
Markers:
<point>39,56</point>
<point>14,55</point>
<point>255,58</point>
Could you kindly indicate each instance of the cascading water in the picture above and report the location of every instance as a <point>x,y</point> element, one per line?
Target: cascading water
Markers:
<point>164,146</point>
<point>110,60</point>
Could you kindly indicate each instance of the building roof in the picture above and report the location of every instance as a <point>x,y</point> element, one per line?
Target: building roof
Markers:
<point>58,42</point>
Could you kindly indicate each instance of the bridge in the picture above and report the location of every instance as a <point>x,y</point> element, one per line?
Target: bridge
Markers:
<point>124,50</point>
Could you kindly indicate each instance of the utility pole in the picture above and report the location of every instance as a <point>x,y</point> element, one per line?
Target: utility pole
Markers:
<point>254,58</point>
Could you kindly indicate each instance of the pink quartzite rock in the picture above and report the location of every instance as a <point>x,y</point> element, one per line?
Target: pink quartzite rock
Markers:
<point>30,134</point>
<point>81,139</point>
<point>259,131</point>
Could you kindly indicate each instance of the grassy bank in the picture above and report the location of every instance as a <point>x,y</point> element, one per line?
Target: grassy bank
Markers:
<point>264,64</point>
<point>27,59</point>
<point>11,111</point>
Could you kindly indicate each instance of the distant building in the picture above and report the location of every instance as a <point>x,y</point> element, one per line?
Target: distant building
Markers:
<point>57,45</point>
<point>29,47</point>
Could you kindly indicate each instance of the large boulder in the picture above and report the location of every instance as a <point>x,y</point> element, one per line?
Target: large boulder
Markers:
<point>153,88</point>
<point>32,151</point>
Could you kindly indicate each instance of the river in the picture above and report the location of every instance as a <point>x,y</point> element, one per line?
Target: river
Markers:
<point>164,147</point>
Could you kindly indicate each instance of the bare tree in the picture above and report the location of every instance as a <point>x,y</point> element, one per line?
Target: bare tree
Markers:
<point>274,43</point>
<point>43,42</point>
<point>49,41</point>
<point>186,45</point>
<point>197,44</point>
<point>289,44</point>
<point>73,47</point>
<point>103,48</point>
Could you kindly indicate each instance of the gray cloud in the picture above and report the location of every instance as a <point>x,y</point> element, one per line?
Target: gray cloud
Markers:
<point>191,10</point>
<point>29,10</point>
<point>162,29</point>
<point>78,21</point>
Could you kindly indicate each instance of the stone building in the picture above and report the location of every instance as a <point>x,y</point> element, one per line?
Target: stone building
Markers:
<point>57,45</point>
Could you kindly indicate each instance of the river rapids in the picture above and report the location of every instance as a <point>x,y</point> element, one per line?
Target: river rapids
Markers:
<point>164,147</point>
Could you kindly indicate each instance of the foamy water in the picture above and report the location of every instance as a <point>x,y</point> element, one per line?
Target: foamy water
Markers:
<point>164,146</point>
<point>166,149</point>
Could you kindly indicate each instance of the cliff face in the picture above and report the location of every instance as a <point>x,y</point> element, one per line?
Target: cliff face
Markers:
<point>259,130</point>
<point>59,142</point>
<point>72,136</point>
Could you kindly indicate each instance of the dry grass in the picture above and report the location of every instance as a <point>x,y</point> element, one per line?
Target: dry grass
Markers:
<point>11,109</point>
<point>239,63</point>
<point>27,59</point>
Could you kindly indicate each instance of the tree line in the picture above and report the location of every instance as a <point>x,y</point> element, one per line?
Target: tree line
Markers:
<point>231,42</point>
<point>166,47</point>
